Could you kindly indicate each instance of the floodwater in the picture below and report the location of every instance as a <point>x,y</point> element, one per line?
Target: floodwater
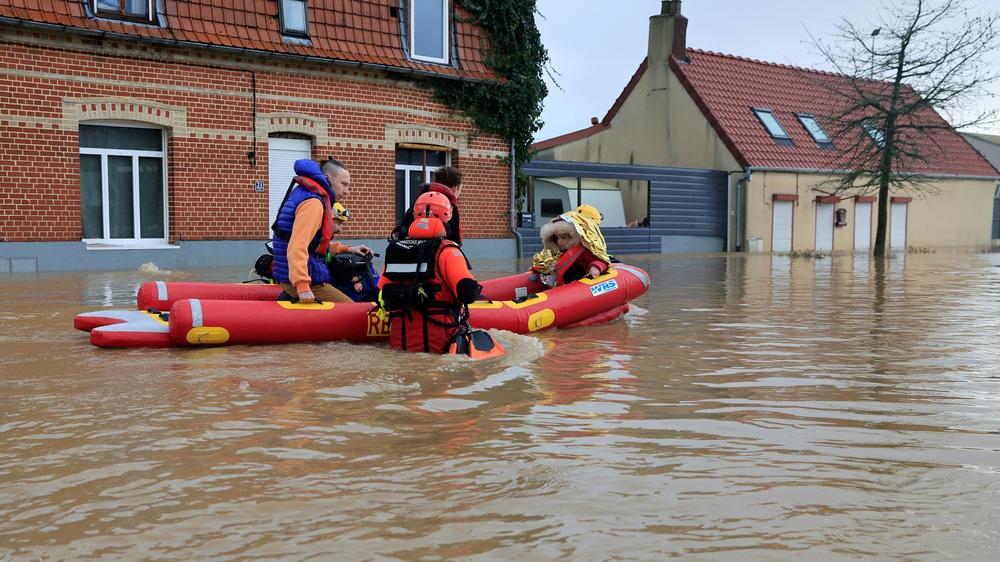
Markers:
<point>749,408</point>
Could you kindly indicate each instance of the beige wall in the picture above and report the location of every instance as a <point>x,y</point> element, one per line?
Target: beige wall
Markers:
<point>958,213</point>
<point>659,128</point>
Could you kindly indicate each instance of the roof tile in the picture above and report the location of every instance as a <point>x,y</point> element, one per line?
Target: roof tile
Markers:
<point>710,78</point>
<point>788,91</point>
<point>351,30</point>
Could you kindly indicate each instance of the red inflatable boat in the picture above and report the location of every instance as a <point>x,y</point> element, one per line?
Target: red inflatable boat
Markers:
<point>517,304</point>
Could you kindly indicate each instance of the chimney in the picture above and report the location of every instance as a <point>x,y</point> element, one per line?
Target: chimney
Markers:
<point>667,36</point>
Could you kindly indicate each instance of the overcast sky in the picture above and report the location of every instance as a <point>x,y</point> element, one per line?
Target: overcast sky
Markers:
<point>596,45</point>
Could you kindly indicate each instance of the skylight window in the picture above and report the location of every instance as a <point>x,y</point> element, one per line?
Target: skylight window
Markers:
<point>814,128</point>
<point>429,30</point>
<point>873,130</point>
<point>294,18</point>
<point>138,10</point>
<point>771,123</point>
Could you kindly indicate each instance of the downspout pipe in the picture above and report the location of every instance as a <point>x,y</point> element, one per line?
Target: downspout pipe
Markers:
<point>742,191</point>
<point>737,207</point>
<point>513,200</point>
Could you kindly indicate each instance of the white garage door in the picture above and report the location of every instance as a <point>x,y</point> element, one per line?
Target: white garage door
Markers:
<point>897,224</point>
<point>282,154</point>
<point>782,227</point>
<point>824,226</point>
<point>862,226</point>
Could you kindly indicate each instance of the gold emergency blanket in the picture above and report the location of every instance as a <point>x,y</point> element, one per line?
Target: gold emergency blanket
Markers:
<point>590,234</point>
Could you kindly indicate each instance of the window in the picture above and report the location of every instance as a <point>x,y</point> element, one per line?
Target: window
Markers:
<point>123,184</point>
<point>551,207</point>
<point>294,18</point>
<point>140,10</point>
<point>429,30</point>
<point>814,129</point>
<point>871,127</point>
<point>414,167</point>
<point>771,123</point>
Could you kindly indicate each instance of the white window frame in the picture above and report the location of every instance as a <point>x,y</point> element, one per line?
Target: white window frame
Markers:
<point>812,126</point>
<point>150,14</point>
<point>781,133</point>
<point>285,30</point>
<point>416,168</point>
<point>136,240</point>
<point>445,44</point>
<point>877,135</point>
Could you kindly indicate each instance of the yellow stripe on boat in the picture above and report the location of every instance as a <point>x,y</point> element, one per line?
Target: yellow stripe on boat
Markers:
<point>537,299</point>
<point>610,274</point>
<point>541,319</point>
<point>207,335</point>
<point>311,306</point>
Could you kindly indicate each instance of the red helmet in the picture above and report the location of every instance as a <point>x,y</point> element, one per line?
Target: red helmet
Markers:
<point>427,227</point>
<point>432,204</point>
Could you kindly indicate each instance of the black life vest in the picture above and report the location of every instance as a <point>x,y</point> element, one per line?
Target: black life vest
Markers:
<point>414,284</point>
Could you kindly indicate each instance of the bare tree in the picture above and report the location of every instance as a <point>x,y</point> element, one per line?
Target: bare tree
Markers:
<point>925,57</point>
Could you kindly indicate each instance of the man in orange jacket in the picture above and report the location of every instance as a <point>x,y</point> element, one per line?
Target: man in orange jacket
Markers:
<point>303,231</point>
<point>426,283</point>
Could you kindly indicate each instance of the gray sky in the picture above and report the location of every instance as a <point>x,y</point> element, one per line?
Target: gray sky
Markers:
<point>596,45</point>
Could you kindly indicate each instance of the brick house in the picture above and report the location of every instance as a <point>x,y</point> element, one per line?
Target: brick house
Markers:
<point>164,130</point>
<point>764,129</point>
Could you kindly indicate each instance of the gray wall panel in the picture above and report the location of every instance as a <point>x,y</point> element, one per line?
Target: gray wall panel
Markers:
<point>687,208</point>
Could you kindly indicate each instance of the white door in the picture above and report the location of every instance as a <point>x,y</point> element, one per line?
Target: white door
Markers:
<point>824,226</point>
<point>781,235</point>
<point>897,224</point>
<point>862,226</point>
<point>281,157</point>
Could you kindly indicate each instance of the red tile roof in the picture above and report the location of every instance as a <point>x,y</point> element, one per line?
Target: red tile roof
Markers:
<point>726,87</point>
<point>355,31</point>
<point>569,137</point>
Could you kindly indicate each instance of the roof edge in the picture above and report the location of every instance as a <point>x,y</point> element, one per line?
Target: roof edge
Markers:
<point>569,137</point>
<point>626,92</point>
<point>28,24</point>
<point>832,171</point>
<point>993,141</point>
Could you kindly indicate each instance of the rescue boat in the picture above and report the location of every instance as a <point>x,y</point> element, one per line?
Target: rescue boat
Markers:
<point>515,303</point>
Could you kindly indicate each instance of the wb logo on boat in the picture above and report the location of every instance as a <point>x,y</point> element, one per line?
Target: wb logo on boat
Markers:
<point>605,287</point>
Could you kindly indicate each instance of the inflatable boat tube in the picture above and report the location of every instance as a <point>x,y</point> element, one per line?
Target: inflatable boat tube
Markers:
<point>161,295</point>
<point>195,322</point>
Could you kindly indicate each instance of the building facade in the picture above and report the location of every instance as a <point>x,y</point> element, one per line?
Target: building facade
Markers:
<point>164,131</point>
<point>765,126</point>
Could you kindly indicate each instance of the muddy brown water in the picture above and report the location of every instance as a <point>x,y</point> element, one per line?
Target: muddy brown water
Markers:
<point>749,408</point>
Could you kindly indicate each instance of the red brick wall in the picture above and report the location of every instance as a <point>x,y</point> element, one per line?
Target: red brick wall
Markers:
<point>210,182</point>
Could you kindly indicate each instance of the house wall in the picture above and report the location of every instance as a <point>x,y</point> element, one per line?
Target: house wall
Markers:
<point>49,84</point>
<point>937,217</point>
<point>660,128</point>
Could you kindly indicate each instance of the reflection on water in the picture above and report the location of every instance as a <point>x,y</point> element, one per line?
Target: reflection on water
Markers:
<point>749,408</point>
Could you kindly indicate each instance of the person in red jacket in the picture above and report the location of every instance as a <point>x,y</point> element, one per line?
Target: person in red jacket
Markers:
<point>426,282</point>
<point>569,256</point>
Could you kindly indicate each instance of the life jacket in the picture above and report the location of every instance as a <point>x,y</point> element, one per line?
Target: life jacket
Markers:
<point>567,269</point>
<point>304,189</point>
<point>414,286</point>
<point>346,269</point>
